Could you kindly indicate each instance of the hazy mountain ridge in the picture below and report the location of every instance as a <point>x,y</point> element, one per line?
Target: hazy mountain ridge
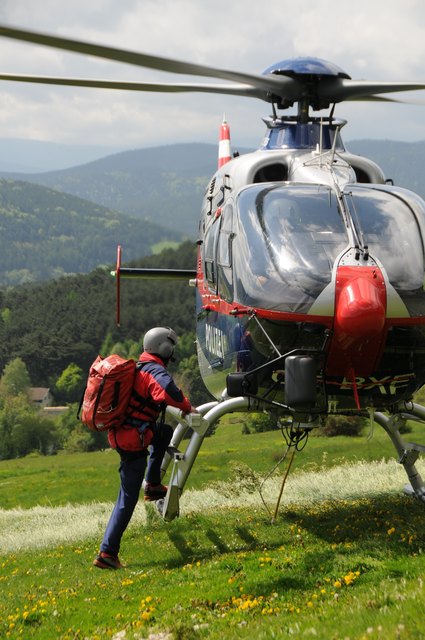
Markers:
<point>166,184</point>
<point>34,156</point>
<point>403,162</point>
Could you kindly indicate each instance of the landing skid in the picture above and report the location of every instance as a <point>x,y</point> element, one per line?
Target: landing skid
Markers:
<point>210,413</point>
<point>182,463</point>
<point>408,452</point>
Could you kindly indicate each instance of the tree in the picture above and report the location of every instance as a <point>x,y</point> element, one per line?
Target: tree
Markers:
<point>15,379</point>
<point>72,319</point>
<point>23,429</point>
<point>74,436</point>
<point>81,439</point>
<point>33,432</point>
<point>70,383</point>
<point>259,422</point>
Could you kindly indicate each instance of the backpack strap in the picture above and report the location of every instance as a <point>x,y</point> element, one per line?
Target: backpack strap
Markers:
<point>163,405</point>
<point>140,403</point>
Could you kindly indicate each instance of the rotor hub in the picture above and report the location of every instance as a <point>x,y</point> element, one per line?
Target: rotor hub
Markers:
<point>306,66</point>
<point>310,75</point>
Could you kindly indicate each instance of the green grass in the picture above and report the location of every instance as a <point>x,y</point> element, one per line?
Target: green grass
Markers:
<point>341,569</point>
<point>332,569</point>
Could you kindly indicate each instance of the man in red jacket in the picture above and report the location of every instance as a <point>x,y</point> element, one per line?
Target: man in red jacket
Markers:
<point>154,389</point>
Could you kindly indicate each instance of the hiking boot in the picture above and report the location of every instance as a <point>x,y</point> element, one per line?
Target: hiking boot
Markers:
<point>106,561</point>
<point>155,492</point>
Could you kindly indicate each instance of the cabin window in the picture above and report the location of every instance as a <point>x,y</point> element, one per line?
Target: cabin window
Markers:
<point>294,135</point>
<point>224,254</point>
<point>210,243</point>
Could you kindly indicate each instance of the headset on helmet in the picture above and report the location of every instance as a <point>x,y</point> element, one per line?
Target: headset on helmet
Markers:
<point>160,341</point>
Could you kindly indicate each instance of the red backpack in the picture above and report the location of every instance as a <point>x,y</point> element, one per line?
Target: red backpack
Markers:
<point>107,394</point>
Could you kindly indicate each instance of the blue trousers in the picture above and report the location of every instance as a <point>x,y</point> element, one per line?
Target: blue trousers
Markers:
<point>132,471</point>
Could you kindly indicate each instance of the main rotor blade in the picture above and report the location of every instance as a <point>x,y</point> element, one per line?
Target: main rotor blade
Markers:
<point>316,89</point>
<point>364,90</point>
<point>163,87</point>
<point>385,99</point>
<point>267,83</point>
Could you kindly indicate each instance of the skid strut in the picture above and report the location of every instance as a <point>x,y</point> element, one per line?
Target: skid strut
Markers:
<point>408,452</point>
<point>182,462</point>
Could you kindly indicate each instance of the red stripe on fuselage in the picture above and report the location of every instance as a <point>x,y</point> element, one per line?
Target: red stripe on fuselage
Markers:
<point>213,302</point>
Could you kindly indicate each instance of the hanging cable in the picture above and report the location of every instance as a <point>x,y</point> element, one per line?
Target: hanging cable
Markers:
<point>270,473</point>
<point>296,438</point>
<point>283,485</point>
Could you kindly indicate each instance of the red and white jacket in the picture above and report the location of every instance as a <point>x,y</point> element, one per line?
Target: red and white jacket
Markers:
<point>153,390</point>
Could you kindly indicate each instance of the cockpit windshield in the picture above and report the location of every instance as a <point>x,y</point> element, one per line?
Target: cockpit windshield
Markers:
<point>387,225</point>
<point>286,243</point>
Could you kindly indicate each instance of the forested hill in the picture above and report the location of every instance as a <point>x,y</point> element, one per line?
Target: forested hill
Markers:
<point>46,234</point>
<point>165,185</point>
<point>67,320</point>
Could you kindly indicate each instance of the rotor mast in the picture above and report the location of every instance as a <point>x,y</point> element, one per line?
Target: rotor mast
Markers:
<point>303,110</point>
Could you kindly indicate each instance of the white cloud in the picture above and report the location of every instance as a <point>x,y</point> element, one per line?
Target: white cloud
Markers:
<point>374,40</point>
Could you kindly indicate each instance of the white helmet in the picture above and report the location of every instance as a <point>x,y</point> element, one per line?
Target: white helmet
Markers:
<point>160,341</point>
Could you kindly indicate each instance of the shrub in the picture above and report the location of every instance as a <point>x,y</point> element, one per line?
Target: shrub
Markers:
<point>342,426</point>
<point>259,422</point>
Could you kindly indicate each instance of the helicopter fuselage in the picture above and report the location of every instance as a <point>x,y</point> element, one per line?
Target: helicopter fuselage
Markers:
<point>305,249</point>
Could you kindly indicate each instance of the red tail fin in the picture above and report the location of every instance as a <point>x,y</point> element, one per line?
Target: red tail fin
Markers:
<point>224,151</point>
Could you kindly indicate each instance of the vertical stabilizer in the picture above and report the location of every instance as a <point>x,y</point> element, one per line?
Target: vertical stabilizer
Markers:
<point>224,151</point>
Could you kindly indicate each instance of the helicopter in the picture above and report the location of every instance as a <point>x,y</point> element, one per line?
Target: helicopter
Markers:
<point>310,270</point>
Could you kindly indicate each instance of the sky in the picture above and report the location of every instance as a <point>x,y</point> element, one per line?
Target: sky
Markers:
<point>370,39</point>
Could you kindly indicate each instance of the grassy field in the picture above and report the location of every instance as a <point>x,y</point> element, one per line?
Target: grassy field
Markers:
<point>343,560</point>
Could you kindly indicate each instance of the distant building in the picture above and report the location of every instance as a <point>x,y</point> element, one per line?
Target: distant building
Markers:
<point>41,397</point>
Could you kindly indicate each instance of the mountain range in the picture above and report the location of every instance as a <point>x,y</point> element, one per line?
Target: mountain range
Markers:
<point>166,184</point>
<point>403,162</point>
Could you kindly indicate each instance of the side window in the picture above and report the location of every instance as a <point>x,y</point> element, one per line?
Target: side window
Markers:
<point>224,254</point>
<point>210,243</point>
<point>224,257</point>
